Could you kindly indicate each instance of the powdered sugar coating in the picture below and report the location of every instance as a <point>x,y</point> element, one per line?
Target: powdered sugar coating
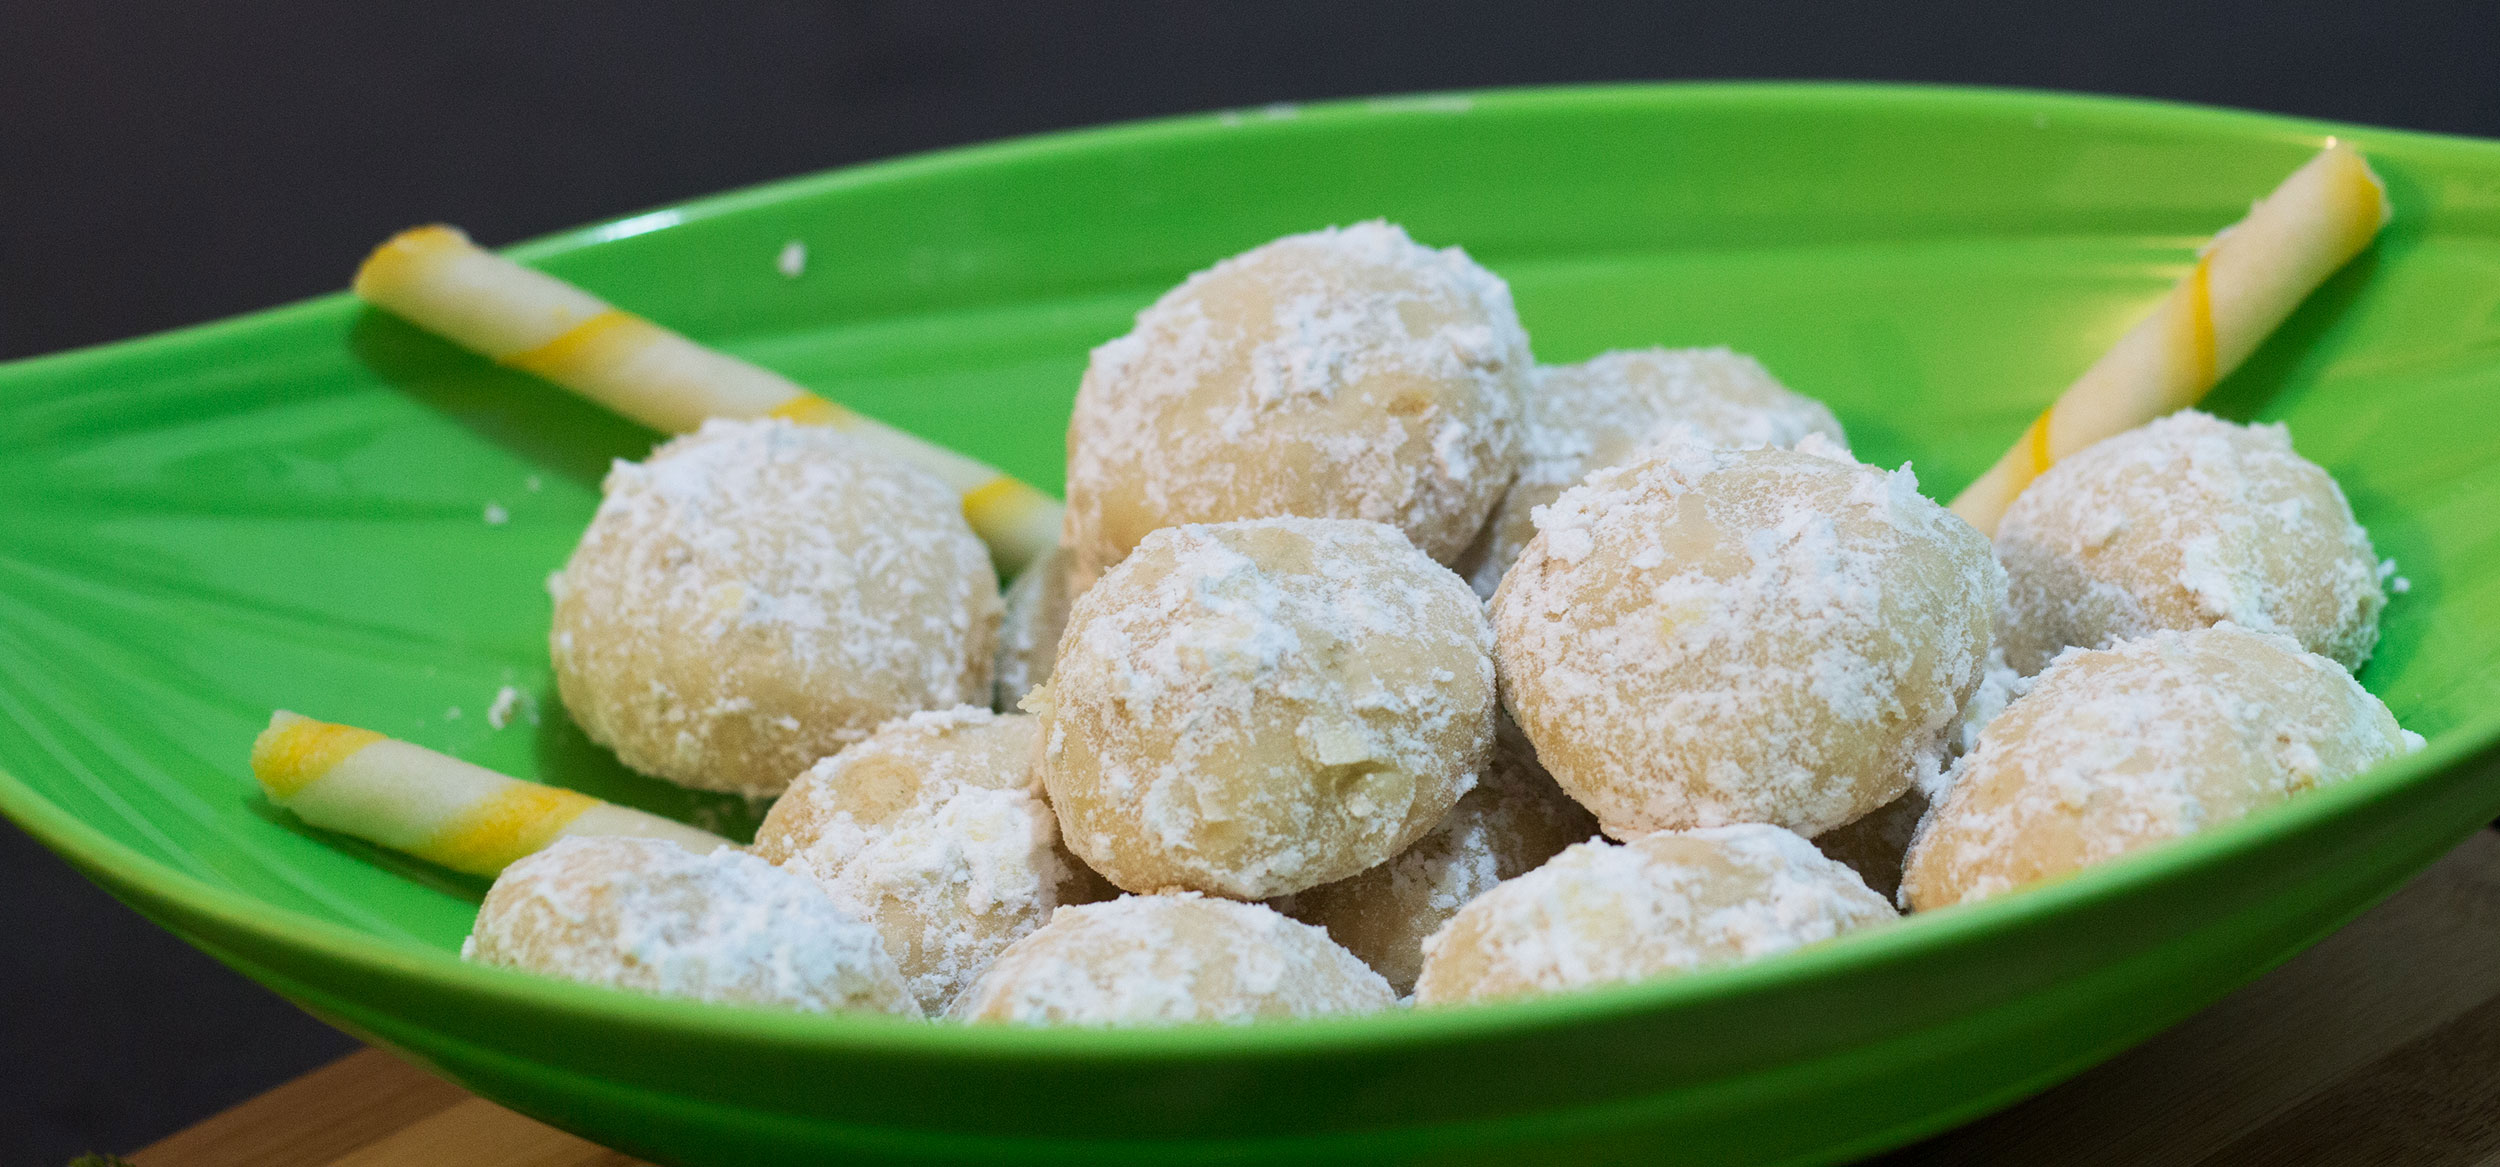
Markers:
<point>2182,523</point>
<point>653,917</point>
<point>2114,750</point>
<point>1514,820</point>
<point>1713,636</point>
<point>1028,635</point>
<point>1601,412</point>
<point>1674,901</point>
<point>1258,707</point>
<point>933,830</point>
<point>2000,685</point>
<point>1343,373</point>
<point>758,595</point>
<point>1168,960</point>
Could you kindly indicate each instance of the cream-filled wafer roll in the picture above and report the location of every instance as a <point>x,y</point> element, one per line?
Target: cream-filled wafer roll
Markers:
<point>2244,283</point>
<point>433,806</point>
<point>529,320</point>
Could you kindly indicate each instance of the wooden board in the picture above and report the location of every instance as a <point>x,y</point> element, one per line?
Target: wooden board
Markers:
<point>2380,1045</point>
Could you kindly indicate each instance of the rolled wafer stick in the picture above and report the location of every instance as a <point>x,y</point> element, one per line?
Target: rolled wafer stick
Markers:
<point>529,320</point>
<point>433,806</point>
<point>2246,280</point>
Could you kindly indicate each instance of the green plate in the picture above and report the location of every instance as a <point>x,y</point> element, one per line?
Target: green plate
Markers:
<point>291,510</point>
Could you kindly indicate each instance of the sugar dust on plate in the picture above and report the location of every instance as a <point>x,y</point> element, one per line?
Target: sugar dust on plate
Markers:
<point>508,702</point>
<point>2395,584</point>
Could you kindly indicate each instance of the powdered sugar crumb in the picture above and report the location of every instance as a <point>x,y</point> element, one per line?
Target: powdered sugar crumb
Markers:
<point>510,700</point>
<point>2395,584</point>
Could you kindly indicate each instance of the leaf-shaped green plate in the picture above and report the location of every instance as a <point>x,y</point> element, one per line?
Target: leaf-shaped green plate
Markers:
<point>291,510</point>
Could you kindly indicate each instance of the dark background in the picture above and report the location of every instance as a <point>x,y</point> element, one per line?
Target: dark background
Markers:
<point>165,166</point>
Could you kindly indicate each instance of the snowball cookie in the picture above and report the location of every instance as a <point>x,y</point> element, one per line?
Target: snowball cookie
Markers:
<point>1347,373</point>
<point>2114,750</point>
<point>1675,901</point>
<point>651,916</point>
<point>1028,636</point>
<point>1253,708</point>
<point>2180,524</point>
<point>935,831</point>
<point>1172,959</point>
<point>1515,819</point>
<point>1599,413</point>
<point>1713,636</point>
<point>758,595</point>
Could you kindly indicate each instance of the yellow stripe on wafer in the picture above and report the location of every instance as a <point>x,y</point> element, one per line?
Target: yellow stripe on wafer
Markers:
<point>524,818</point>
<point>809,409</point>
<point>433,806</point>
<point>1010,512</point>
<point>999,501</point>
<point>585,345</point>
<point>2036,440</point>
<point>2244,283</point>
<point>435,278</point>
<point>295,751</point>
<point>529,320</point>
<point>2200,312</point>
<point>401,258</point>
